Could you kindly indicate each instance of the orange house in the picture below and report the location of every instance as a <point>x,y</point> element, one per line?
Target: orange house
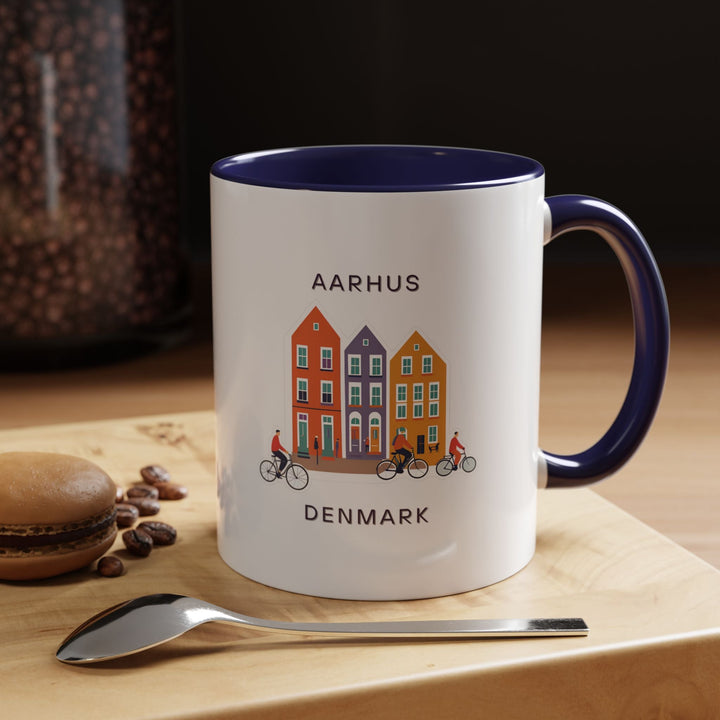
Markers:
<point>418,398</point>
<point>317,388</point>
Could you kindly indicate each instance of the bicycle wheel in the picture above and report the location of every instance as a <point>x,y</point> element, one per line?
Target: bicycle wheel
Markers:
<point>386,469</point>
<point>468,463</point>
<point>297,477</point>
<point>268,471</point>
<point>417,468</point>
<point>444,467</point>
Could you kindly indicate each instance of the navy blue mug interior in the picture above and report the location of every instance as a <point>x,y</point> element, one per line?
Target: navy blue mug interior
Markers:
<point>377,168</point>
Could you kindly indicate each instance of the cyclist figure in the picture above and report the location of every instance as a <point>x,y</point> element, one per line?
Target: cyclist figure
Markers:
<point>403,448</point>
<point>279,452</point>
<point>455,448</point>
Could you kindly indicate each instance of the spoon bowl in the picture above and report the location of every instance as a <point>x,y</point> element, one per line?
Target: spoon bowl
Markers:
<point>147,621</point>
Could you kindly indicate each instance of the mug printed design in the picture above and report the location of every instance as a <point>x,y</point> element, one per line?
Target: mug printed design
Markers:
<point>280,466</point>
<point>357,408</point>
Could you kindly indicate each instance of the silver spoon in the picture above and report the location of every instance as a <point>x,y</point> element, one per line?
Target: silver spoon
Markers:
<point>150,620</point>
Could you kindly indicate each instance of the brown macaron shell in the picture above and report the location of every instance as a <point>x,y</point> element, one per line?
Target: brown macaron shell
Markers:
<point>57,514</point>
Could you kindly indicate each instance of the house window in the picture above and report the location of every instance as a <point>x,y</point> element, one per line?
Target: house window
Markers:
<point>418,392</point>
<point>416,347</point>
<point>376,365</point>
<point>401,393</point>
<point>316,326</point>
<point>427,364</point>
<point>302,390</point>
<point>375,394</point>
<point>417,410</point>
<point>434,391</point>
<point>366,342</point>
<point>355,394</point>
<point>407,366</point>
<point>401,413</point>
<point>302,356</point>
<point>326,396</point>
<point>434,409</point>
<point>432,434</point>
<point>326,358</point>
<point>354,365</point>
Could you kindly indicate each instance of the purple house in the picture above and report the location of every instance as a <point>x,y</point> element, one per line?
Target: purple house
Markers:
<point>365,396</point>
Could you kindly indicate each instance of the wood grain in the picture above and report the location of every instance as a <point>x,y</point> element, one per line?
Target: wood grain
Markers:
<point>653,609</point>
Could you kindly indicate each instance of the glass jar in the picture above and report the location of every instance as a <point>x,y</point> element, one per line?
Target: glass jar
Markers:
<point>92,267</point>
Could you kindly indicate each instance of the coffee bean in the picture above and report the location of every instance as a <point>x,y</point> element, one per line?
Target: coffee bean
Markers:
<point>138,542</point>
<point>172,491</point>
<point>143,491</point>
<point>126,514</point>
<point>155,474</point>
<point>160,532</point>
<point>110,566</point>
<point>145,505</point>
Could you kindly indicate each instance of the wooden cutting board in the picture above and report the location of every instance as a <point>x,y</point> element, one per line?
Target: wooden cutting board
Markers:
<point>652,607</point>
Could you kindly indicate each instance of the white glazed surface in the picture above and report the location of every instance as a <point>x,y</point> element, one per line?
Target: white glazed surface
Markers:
<point>477,254</point>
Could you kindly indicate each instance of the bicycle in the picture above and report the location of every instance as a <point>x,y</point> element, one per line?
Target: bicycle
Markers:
<point>388,468</point>
<point>446,464</point>
<point>295,474</point>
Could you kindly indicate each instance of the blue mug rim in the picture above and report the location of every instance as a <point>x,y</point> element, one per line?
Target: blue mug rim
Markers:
<point>377,168</point>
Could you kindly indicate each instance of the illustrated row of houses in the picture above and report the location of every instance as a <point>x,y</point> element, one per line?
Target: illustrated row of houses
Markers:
<point>350,403</point>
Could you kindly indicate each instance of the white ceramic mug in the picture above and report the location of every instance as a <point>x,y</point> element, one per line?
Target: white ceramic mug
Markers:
<point>377,318</point>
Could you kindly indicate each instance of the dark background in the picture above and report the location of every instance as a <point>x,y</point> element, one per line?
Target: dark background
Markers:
<point>615,99</point>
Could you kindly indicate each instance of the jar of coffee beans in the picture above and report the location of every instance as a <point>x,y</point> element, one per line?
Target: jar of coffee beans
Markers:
<point>92,267</point>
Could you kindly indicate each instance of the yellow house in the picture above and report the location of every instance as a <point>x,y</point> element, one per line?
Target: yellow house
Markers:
<point>418,397</point>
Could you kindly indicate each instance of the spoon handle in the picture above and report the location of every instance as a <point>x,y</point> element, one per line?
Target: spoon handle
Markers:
<point>531,627</point>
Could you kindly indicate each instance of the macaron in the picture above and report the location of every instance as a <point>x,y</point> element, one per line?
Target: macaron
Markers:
<point>57,514</point>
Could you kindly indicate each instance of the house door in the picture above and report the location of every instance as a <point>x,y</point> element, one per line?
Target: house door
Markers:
<point>355,437</point>
<point>420,445</point>
<point>302,429</point>
<point>374,438</point>
<point>328,448</point>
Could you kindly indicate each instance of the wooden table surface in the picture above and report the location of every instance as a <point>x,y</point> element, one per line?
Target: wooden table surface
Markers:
<point>652,607</point>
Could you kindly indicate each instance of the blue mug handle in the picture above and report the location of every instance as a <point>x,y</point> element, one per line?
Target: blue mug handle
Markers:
<point>652,340</point>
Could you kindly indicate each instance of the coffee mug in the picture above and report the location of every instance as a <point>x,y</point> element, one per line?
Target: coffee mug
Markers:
<point>377,320</point>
